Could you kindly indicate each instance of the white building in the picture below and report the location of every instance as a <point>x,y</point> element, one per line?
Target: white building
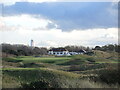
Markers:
<point>78,52</point>
<point>59,52</point>
<point>64,52</point>
<point>32,43</point>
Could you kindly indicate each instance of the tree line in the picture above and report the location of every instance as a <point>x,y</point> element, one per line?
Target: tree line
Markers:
<point>77,48</point>
<point>109,47</point>
<point>23,50</point>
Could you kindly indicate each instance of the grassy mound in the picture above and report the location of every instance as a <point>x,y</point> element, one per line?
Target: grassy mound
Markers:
<point>49,78</point>
<point>110,76</point>
<point>79,59</point>
<point>30,75</point>
<point>31,65</point>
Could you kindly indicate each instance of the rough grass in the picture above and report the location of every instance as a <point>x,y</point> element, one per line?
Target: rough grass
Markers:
<point>85,67</point>
<point>49,78</point>
<point>106,57</point>
<point>10,82</point>
<point>110,76</point>
<point>27,75</point>
<point>78,71</point>
<point>79,59</point>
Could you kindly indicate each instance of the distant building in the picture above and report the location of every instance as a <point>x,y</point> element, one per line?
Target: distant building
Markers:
<point>64,52</point>
<point>78,52</point>
<point>32,43</point>
<point>81,51</point>
<point>59,52</point>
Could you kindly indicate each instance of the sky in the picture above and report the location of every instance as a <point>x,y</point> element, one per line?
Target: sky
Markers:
<point>55,24</point>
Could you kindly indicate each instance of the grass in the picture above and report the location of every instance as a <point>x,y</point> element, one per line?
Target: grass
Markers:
<point>98,57</point>
<point>53,60</point>
<point>33,78</point>
<point>78,71</point>
<point>70,74</point>
<point>10,81</point>
<point>107,57</point>
<point>29,75</point>
<point>79,59</point>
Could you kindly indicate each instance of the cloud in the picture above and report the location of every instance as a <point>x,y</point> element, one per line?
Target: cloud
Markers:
<point>56,37</point>
<point>48,43</point>
<point>70,15</point>
<point>87,24</point>
<point>21,28</point>
<point>5,27</point>
<point>25,21</point>
<point>91,36</point>
<point>12,2</point>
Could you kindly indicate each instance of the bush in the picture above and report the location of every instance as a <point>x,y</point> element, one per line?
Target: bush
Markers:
<point>110,76</point>
<point>90,59</point>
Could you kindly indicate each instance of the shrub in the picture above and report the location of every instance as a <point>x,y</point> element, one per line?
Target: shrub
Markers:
<point>110,76</point>
<point>90,59</point>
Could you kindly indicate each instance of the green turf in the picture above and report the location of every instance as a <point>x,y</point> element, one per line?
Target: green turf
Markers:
<point>99,57</point>
<point>59,72</point>
<point>31,59</point>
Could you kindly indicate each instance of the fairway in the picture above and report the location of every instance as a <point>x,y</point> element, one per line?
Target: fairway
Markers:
<point>44,58</point>
<point>32,59</point>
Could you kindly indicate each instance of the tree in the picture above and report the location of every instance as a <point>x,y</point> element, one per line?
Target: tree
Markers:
<point>111,47</point>
<point>97,48</point>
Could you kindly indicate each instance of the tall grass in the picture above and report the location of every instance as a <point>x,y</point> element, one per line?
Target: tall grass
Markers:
<point>48,78</point>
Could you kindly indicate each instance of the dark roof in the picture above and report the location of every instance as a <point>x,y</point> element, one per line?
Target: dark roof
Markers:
<point>82,51</point>
<point>58,49</point>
